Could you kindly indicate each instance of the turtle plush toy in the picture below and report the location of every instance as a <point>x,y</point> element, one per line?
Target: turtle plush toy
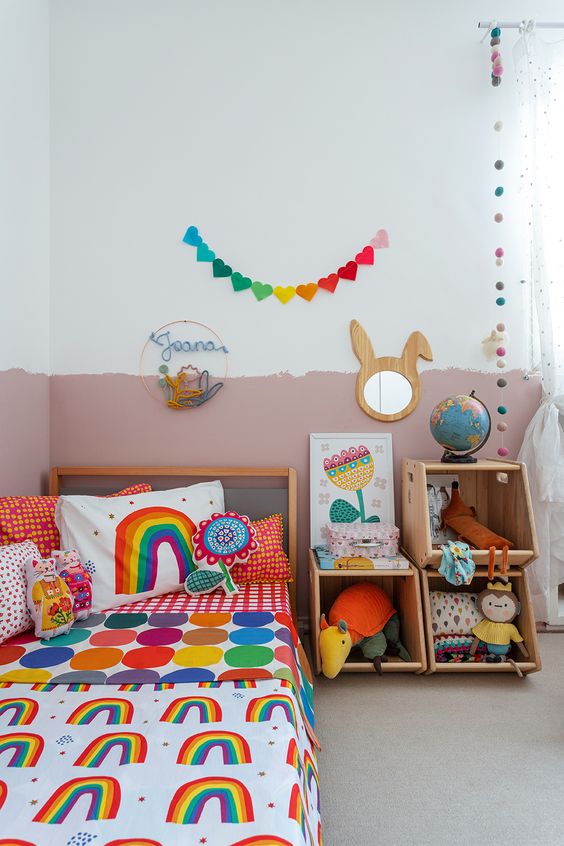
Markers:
<point>361,616</point>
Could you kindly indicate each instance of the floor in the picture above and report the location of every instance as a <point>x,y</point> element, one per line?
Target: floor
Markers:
<point>466,760</point>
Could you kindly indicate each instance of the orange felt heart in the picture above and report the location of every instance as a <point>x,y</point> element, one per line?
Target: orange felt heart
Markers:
<point>284,294</point>
<point>348,271</point>
<point>307,292</point>
<point>366,256</point>
<point>329,283</point>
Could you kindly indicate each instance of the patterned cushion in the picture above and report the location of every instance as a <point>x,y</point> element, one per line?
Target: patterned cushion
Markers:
<point>453,612</point>
<point>14,616</point>
<point>269,563</point>
<point>33,518</point>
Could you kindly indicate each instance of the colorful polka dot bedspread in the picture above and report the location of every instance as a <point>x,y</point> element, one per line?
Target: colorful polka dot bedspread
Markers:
<point>171,721</point>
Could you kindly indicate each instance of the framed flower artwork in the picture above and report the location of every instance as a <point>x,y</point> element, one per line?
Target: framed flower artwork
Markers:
<point>351,480</point>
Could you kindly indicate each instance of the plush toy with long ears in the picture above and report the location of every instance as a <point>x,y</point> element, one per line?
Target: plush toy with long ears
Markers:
<point>362,616</point>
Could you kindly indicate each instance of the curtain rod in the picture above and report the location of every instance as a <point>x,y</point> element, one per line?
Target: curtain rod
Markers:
<point>517,24</point>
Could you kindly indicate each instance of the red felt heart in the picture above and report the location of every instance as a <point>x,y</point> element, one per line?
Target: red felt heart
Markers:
<point>366,256</point>
<point>329,283</point>
<point>348,271</point>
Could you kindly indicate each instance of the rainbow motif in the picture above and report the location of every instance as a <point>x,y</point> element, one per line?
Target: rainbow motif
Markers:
<point>164,686</point>
<point>24,710</point>
<point>210,684</point>
<point>6,684</point>
<point>260,710</point>
<point>190,800</point>
<point>134,841</point>
<point>120,711</point>
<point>293,758</point>
<point>12,841</point>
<point>133,748</point>
<point>26,748</point>
<point>130,687</point>
<point>104,793</point>
<point>138,538</point>
<point>43,687</point>
<point>319,835</point>
<point>245,684</point>
<point>234,748</point>
<point>3,792</point>
<point>262,840</point>
<point>208,709</point>
<point>78,687</point>
<point>311,774</point>
<point>296,811</point>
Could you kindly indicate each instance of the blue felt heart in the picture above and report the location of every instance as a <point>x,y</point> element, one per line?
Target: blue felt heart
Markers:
<point>192,237</point>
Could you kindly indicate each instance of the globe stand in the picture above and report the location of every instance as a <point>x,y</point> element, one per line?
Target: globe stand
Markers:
<point>452,458</point>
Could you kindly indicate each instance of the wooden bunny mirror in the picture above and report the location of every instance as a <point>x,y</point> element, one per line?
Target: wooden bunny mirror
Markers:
<point>387,388</point>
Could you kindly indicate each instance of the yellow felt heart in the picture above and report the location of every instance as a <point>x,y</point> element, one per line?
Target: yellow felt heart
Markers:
<point>284,294</point>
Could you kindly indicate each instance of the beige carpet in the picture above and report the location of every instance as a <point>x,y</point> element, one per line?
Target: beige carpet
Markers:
<point>464,761</point>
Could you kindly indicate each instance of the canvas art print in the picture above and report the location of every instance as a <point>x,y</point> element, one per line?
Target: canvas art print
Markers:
<point>351,480</point>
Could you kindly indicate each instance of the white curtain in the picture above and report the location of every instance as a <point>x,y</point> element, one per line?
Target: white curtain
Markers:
<point>539,70</point>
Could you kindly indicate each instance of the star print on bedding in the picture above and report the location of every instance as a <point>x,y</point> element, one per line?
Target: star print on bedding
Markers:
<point>224,765</point>
<point>136,546</point>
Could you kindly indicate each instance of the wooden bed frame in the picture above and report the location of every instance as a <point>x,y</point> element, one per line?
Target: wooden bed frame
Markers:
<point>58,474</point>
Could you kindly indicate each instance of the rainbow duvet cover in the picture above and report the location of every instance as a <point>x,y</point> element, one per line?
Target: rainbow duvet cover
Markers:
<point>222,761</point>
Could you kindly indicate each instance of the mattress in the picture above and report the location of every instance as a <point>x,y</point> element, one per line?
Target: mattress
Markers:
<point>212,744</point>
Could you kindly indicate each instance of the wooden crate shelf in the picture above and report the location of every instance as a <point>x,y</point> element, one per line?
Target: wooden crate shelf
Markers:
<point>403,588</point>
<point>499,492</point>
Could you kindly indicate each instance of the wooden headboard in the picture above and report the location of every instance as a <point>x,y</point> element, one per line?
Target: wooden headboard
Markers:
<point>243,479</point>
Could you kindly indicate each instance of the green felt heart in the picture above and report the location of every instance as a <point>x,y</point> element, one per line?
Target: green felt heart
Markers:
<point>240,282</point>
<point>220,268</point>
<point>342,511</point>
<point>203,253</point>
<point>261,291</point>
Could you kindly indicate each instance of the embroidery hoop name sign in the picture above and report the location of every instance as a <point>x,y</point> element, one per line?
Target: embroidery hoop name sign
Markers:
<point>177,363</point>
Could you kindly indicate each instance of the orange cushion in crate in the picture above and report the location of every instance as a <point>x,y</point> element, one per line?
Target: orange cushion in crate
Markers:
<point>269,563</point>
<point>33,518</point>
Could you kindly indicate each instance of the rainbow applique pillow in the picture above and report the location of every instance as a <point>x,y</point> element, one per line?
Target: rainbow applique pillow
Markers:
<point>135,547</point>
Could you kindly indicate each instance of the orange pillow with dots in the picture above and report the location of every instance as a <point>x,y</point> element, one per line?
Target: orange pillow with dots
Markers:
<point>33,518</point>
<point>269,563</point>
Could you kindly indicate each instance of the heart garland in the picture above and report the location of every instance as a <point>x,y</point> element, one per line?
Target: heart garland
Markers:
<point>285,293</point>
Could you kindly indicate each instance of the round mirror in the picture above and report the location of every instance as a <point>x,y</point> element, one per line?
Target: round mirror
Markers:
<point>388,392</point>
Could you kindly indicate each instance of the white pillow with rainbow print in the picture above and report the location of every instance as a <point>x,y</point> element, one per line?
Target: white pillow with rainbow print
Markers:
<point>136,546</point>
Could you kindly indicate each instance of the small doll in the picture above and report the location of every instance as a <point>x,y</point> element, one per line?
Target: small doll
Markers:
<point>78,580</point>
<point>48,598</point>
<point>500,606</point>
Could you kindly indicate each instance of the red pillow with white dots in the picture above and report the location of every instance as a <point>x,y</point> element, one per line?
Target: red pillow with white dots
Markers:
<point>33,518</point>
<point>269,563</point>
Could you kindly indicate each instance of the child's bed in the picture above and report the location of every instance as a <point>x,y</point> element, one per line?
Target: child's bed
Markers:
<point>174,719</point>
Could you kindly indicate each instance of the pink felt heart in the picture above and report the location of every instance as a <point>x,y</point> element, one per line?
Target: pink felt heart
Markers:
<point>366,256</point>
<point>380,240</point>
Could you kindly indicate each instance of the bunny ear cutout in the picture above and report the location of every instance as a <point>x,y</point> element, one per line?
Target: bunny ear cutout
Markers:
<point>324,623</point>
<point>361,343</point>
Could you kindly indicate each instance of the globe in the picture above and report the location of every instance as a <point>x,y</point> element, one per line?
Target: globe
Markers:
<point>461,425</point>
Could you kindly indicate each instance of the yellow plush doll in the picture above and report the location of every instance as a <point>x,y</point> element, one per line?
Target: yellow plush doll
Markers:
<point>500,606</point>
<point>49,599</point>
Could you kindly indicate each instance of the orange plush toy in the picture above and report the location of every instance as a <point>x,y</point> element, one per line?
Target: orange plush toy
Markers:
<point>462,519</point>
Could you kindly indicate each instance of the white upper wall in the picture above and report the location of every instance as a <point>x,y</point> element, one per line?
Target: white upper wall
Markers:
<point>24,185</point>
<point>289,133</point>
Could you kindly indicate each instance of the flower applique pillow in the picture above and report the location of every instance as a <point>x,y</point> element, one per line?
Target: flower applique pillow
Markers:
<point>219,542</point>
<point>14,615</point>
<point>135,547</point>
<point>48,598</point>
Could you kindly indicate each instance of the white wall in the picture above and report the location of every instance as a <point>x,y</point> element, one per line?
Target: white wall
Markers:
<point>288,133</point>
<point>24,185</point>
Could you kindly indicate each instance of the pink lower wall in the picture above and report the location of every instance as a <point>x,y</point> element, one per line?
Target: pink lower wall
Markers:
<point>24,432</point>
<point>261,421</point>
